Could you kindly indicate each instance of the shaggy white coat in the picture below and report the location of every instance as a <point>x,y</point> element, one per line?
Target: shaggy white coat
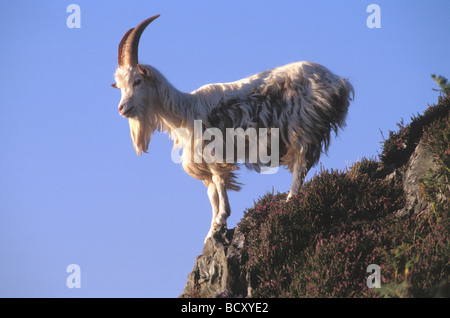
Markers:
<point>304,100</point>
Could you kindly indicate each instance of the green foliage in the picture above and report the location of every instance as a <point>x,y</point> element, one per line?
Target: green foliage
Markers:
<point>442,82</point>
<point>436,183</point>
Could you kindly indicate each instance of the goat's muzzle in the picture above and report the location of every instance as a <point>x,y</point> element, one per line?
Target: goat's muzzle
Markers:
<point>126,110</point>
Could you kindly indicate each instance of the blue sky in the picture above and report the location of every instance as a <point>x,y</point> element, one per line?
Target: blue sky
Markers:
<point>73,191</point>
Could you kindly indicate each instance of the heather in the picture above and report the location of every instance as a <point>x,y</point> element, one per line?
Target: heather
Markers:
<point>400,144</point>
<point>320,243</point>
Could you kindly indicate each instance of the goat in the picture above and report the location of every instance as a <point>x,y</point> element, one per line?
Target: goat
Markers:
<point>303,100</point>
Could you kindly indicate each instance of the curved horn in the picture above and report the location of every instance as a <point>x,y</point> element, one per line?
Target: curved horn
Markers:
<point>128,46</point>
<point>122,42</point>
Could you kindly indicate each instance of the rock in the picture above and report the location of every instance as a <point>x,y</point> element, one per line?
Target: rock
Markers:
<point>220,270</point>
<point>420,162</point>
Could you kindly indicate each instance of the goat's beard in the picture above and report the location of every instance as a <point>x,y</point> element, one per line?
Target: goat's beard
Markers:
<point>141,130</point>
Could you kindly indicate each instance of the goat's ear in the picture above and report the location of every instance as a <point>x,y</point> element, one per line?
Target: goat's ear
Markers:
<point>144,71</point>
<point>114,85</point>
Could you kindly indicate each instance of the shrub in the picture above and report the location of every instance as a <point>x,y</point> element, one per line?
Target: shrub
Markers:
<point>436,183</point>
<point>320,243</point>
<point>334,209</point>
<point>442,82</point>
<point>400,145</point>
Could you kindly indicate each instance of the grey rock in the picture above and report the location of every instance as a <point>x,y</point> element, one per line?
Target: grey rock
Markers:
<point>220,270</point>
<point>420,162</point>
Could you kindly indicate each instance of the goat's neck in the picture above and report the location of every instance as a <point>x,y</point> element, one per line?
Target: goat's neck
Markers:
<point>176,109</point>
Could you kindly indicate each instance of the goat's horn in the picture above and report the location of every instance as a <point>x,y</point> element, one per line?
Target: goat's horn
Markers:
<point>122,42</point>
<point>128,46</point>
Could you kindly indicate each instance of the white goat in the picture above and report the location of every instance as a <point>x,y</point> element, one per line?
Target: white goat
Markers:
<point>304,100</point>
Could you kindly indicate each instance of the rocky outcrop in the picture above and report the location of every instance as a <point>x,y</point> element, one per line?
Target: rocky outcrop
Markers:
<point>419,164</point>
<point>220,270</point>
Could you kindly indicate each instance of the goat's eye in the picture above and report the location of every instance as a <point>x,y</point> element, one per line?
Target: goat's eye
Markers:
<point>137,82</point>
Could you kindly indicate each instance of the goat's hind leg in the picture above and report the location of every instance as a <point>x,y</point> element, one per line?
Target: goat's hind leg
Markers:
<point>300,171</point>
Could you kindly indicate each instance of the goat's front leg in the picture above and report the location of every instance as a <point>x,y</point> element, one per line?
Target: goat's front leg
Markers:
<point>224,206</point>
<point>214,199</point>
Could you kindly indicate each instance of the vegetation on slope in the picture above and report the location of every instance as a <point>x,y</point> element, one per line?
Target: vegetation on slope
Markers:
<point>320,243</point>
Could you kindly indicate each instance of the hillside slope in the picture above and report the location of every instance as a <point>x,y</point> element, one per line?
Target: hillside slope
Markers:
<point>392,212</point>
